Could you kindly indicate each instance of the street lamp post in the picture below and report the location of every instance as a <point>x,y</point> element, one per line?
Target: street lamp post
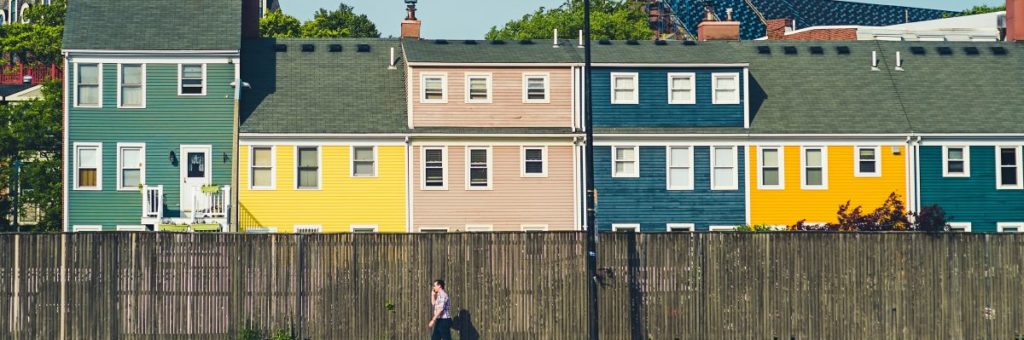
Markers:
<point>15,188</point>
<point>591,193</point>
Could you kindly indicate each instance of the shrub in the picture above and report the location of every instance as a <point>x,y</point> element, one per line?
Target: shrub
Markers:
<point>891,216</point>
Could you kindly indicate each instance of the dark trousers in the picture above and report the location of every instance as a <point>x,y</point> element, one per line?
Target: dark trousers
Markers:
<point>442,330</point>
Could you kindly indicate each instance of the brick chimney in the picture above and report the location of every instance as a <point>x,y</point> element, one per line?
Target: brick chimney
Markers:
<point>250,19</point>
<point>1014,20</point>
<point>776,28</point>
<point>710,29</point>
<point>411,25</point>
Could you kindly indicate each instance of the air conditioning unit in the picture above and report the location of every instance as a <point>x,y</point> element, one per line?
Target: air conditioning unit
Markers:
<point>1001,21</point>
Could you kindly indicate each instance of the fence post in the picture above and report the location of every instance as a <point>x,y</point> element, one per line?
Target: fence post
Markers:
<point>15,320</point>
<point>63,284</point>
<point>300,281</point>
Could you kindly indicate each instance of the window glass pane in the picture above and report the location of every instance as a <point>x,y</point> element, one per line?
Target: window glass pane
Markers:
<point>88,95</point>
<point>434,155</point>
<point>132,74</point>
<point>307,158</point>
<point>624,168</point>
<point>724,157</point>
<point>478,157</point>
<point>261,177</point>
<point>433,83</point>
<point>1008,156</point>
<point>956,166</point>
<point>727,95</point>
<point>867,154</point>
<point>1009,175</point>
<point>723,178</point>
<point>131,158</point>
<point>196,164</point>
<point>771,157</point>
<point>623,95</point>
<point>814,176</point>
<point>956,153</point>
<point>364,154</point>
<point>434,175</point>
<point>771,176</point>
<point>534,167</point>
<point>679,177</point>
<point>624,154</point>
<point>813,158</point>
<point>192,71</point>
<point>87,177</point>
<point>131,95</point>
<point>535,88</point>
<point>867,166</point>
<point>261,156</point>
<point>87,158</point>
<point>680,83</point>
<point>624,83</point>
<point>680,157</point>
<point>88,74</point>
<point>364,168</point>
<point>478,177</point>
<point>534,154</point>
<point>726,83</point>
<point>130,178</point>
<point>307,179</point>
<point>192,90</point>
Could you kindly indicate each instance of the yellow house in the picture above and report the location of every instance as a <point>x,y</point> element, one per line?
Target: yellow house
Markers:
<point>809,182</point>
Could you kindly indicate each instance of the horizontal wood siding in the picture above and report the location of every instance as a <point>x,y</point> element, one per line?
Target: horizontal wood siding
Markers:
<point>506,109</point>
<point>972,199</point>
<point>647,201</point>
<point>341,201</point>
<point>791,204</point>
<point>513,201</point>
<point>653,109</point>
<point>167,122</point>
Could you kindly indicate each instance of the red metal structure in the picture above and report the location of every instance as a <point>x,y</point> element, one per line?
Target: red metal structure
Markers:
<point>16,74</point>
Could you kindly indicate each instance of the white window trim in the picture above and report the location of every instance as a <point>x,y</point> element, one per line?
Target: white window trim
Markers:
<point>636,163</point>
<point>782,168</point>
<point>856,162</point>
<point>273,167</point>
<point>99,78</point>
<point>547,88</point>
<point>735,168</point>
<point>319,167</point>
<point>479,228</point>
<point>635,227</point>
<point>99,165</point>
<point>363,228</point>
<point>636,86</point>
<point>131,228</point>
<point>687,226</point>
<point>205,81</point>
<point>668,169</point>
<point>120,86</point>
<point>544,161</point>
<point>86,228</point>
<point>423,88</point>
<point>693,87</point>
<point>490,167</point>
<point>945,161</point>
<point>352,162</point>
<point>714,88</point>
<point>963,226</point>
<point>21,13</point>
<point>142,168</point>
<point>533,227</point>
<point>824,168</point>
<point>433,229</point>
<point>490,88</point>
<point>308,229</point>
<point>1003,225</point>
<point>261,230</point>
<point>999,168</point>
<point>423,167</point>
<point>719,228</point>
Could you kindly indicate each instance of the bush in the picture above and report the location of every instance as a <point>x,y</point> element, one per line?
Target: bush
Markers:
<point>891,216</point>
<point>758,228</point>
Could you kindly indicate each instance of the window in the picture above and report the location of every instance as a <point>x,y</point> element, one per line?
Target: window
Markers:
<point>964,227</point>
<point>535,89</point>
<point>1010,227</point>
<point>85,228</point>
<point>478,172</point>
<point>625,162</point>
<point>308,229</point>
<point>88,87</point>
<point>680,88</point>
<point>192,79</point>
<point>724,169</point>
<point>261,230</point>
<point>434,88</point>
<point>479,228</point>
<point>435,173</point>
<point>364,161</point>
<point>132,86</point>
<point>956,161</point>
<point>29,213</point>
<point>534,164</point>
<point>726,88</point>
<point>1008,174</point>
<point>131,228</point>
<point>478,88</point>
<point>131,166</point>
<point>262,167</point>
<point>680,168</point>
<point>534,227</point>
<point>307,167</point>
<point>771,173</point>
<point>722,228</point>
<point>434,230</point>
<point>815,172</point>
<point>363,228</point>
<point>679,227</point>
<point>626,227</point>
<point>88,166</point>
<point>625,89</point>
<point>867,162</point>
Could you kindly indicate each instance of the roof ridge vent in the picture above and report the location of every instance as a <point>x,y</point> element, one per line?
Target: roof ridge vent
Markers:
<point>363,48</point>
<point>334,48</point>
<point>280,48</point>
<point>308,48</point>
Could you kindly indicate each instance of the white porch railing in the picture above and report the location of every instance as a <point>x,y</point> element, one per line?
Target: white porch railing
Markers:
<point>153,202</point>
<point>215,205</point>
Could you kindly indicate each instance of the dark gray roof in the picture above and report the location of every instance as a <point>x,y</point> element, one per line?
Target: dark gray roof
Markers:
<point>482,51</point>
<point>7,90</point>
<point>323,91</point>
<point>153,25</point>
<point>666,52</point>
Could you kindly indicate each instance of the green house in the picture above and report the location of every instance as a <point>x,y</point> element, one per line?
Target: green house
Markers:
<point>150,113</point>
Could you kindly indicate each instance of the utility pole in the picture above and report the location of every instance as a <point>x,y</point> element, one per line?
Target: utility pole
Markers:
<point>591,193</point>
<point>15,189</point>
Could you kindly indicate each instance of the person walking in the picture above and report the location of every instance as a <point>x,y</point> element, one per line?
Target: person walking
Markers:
<point>441,321</point>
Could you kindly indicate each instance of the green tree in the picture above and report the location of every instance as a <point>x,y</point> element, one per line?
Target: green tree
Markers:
<point>32,133</point>
<point>38,40</point>
<point>609,19</point>
<point>279,25</point>
<point>982,9</point>
<point>340,23</point>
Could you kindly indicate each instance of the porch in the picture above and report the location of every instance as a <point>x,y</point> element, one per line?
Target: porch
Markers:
<point>204,210</point>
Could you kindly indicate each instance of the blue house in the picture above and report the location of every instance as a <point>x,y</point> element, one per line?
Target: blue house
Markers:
<point>667,156</point>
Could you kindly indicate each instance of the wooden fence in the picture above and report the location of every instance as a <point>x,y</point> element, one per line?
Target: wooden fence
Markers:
<point>513,285</point>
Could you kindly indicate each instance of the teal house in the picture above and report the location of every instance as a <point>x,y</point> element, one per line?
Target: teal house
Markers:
<point>150,114</point>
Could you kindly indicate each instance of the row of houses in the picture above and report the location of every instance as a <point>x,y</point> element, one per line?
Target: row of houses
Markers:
<point>192,122</point>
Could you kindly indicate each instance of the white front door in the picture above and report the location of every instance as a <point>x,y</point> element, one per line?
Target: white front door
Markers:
<point>195,173</point>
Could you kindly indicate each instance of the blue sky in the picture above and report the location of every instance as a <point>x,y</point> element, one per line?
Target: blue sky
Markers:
<point>458,19</point>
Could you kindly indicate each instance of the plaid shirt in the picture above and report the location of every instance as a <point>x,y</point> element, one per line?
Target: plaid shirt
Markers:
<point>441,303</point>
